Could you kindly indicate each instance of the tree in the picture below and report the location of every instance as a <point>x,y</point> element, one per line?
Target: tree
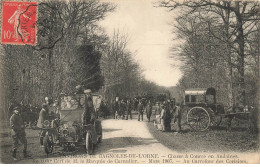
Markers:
<point>29,73</point>
<point>239,21</point>
<point>120,70</point>
<point>88,68</point>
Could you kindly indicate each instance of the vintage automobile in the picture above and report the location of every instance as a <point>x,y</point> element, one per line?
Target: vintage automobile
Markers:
<point>203,109</point>
<point>73,129</point>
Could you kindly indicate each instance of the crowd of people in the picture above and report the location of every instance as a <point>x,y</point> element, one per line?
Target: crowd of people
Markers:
<point>165,111</point>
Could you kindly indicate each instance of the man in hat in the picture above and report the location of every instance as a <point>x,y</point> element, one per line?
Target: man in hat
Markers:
<point>128,109</point>
<point>177,116</point>
<point>168,115</point>
<point>148,110</point>
<point>18,132</point>
<point>42,117</point>
<point>157,109</point>
<point>140,109</point>
<point>122,109</point>
<point>135,104</point>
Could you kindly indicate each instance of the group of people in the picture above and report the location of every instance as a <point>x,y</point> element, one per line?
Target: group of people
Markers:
<point>122,109</point>
<point>166,111</point>
<point>18,128</point>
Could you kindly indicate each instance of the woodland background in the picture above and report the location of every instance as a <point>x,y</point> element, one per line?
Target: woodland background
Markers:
<point>219,45</point>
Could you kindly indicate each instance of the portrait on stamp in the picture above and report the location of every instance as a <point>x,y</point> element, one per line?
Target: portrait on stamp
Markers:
<point>19,22</point>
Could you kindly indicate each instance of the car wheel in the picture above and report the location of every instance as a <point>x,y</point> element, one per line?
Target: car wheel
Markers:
<point>100,137</point>
<point>198,118</point>
<point>48,144</point>
<point>89,144</point>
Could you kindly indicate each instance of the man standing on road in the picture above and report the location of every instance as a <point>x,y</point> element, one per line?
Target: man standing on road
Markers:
<point>122,109</point>
<point>157,109</point>
<point>163,117</point>
<point>135,104</point>
<point>177,116</point>
<point>140,109</point>
<point>168,116</point>
<point>148,110</point>
<point>42,117</point>
<point>116,108</point>
<point>18,132</point>
<point>128,109</point>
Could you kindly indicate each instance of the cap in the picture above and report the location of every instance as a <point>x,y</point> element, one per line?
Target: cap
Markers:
<point>87,91</point>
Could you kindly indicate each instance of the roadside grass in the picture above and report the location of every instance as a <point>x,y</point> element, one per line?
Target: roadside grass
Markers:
<point>215,139</point>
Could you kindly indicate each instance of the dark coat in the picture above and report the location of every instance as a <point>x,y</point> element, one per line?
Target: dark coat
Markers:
<point>140,107</point>
<point>116,106</point>
<point>128,106</point>
<point>163,114</point>
<point>122,108</point>
<point>158,110</point>
<point>16,123</point>
<point>135,104</point>
<point>148,108</point>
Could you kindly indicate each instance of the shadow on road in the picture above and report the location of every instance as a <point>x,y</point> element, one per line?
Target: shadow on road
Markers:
<point>119,144</point>
<point>111,130</point>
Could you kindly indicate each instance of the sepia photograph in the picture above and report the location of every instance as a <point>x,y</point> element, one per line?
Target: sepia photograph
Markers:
<point>129,82</point>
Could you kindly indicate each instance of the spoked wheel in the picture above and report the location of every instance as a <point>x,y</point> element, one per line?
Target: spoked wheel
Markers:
<point>198,118</point>
<point>89,144</point>
<point>48,144</point>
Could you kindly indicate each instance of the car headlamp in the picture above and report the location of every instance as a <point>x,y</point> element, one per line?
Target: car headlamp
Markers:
<point>65,132</point>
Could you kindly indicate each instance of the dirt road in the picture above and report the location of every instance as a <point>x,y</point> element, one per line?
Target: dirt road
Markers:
<point>130,137</point>
<point>119,136</point>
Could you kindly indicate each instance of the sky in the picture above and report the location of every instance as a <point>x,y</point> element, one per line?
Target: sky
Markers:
<point>150,37</point>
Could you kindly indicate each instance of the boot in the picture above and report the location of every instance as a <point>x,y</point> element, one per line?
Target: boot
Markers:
<point>14,155</point>
<point>25,155</point>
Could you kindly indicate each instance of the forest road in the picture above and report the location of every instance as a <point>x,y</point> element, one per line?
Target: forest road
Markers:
<point>120,137</point>
<point>129,136</point>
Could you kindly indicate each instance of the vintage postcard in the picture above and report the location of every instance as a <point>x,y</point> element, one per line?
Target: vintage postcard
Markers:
<point>129,82</point>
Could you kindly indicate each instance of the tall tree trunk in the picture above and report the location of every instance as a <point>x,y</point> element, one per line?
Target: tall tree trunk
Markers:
<point>229,69</point>
<point>241,54</point>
